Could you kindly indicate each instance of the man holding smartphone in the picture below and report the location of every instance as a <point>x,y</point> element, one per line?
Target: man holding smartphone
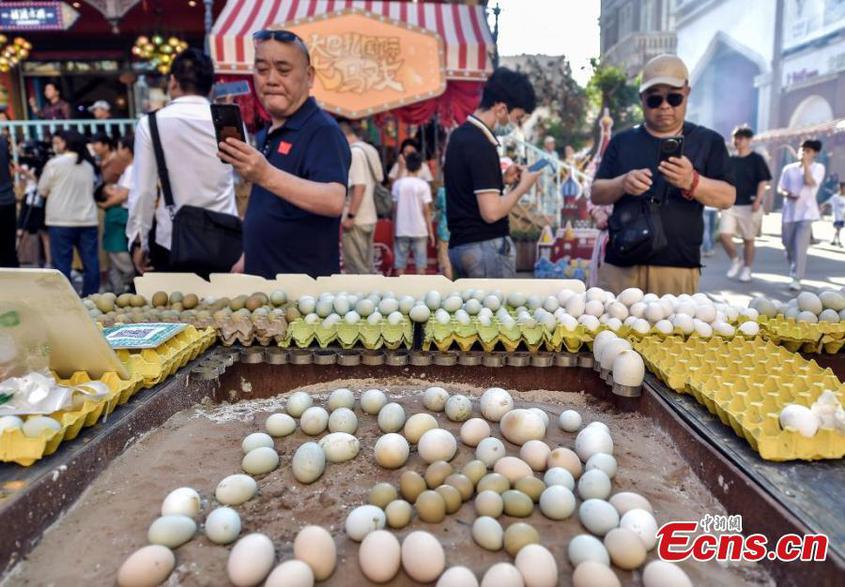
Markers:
<point>659,176</point>
<point>299,171</point>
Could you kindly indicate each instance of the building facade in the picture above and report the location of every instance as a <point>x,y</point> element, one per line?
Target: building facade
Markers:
<point>634,31</point>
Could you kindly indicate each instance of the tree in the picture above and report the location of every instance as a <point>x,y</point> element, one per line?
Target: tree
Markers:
<point>610,88</point>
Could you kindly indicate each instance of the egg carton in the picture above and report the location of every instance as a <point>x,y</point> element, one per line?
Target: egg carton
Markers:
<point>508,338</point>
<point>300,334</point>
<point>808,337</point>
<point>746,384</point>
<point>246,331</point>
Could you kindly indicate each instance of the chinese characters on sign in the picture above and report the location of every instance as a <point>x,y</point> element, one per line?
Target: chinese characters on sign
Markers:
<point>23,16</point>
<point>352,62</point>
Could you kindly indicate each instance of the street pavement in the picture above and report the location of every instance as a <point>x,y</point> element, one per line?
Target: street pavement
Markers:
<point>825,266</point>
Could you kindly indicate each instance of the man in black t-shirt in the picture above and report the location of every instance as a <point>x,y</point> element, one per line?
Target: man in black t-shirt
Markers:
<point>477,210</point>
<point>656,226</point>
<point>751,178</point>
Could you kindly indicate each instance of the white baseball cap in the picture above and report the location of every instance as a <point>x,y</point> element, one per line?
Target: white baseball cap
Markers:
<point>666,70</point>
<point>99,104</point>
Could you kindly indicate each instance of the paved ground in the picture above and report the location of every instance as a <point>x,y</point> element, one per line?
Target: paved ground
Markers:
<point>825,266</point>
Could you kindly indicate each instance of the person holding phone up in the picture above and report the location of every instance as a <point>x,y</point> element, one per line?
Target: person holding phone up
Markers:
<point>659,176</point>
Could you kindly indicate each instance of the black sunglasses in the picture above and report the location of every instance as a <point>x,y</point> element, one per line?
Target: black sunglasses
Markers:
<point>281,36</point>
<point>656,100</point>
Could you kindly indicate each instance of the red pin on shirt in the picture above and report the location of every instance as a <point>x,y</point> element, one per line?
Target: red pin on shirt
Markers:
<point>285,147</point>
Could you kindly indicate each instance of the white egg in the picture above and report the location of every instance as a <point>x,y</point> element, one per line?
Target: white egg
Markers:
<point>315,547</point>
<point>420,313</point>
<point>502,575</point>
<point>172,531</point>
<point>590,322</point>
<point>628,369</point>
<point>550,304</point>
<point>150,565</point>
<point>585,547</point>
<point>9,423</point>
<point>255,440</point>
<point>373,400</point>
<point>520,426</point>
<point>394,318</point>
<point>557,502</point>
<point>306,304</point>
<point>638,309</point>
<point>223,525</point>
<point>751,329</point>
<point>437,445</point>
<point>458,408</point>
<point>292,573</point>
<point>485,320</point>
<point>641,326</point>
<point>373,319</point>
<point>362,520</point>
<point>487,533</point>
<point>236,489</point>
<point>184,500</point>
<point>298,402</point>
<point>314,421</point>
<point>559,476</point>
<point>829,316</point>
<point>423,558</point>
<point>512,468</point>
<point>569,323</point>
<point>260,461</point>
<point>472,307</point>
<point>594,484</point>
<point>308,463</point>
<point>659,573</point>
<point>654,312</point>
<point>433,300</point>
<point>391,417</point>
<point>364,307</point>
<point>495,403</point>
<point>36,426</point>
<point>592,440</point>
<point>798,418</point>
<point>490,450</point>
<point>280,425</point>
<point>341,398</point>
<point>417,425</point>
<point>442,316</point>
<point>618,310</point>
<point>569,421</point>
<point>598,516</point>
<point>435,398</point>
<point>537,565</point>
<point>339,447</point>
<point>664,327</point>
<point>387,306</point>
<point>457,577</point>
<point>706,312</point>
<point>626,501</point>
<point>594,308</point>
<point>250,560</point>
<point>452,304</point>
<point>643,524</point>
<point>610,350</point>
<point>630,296</point>
<point>684,323</point>
<point>516,299</point>
<point>593,574</point>
<point>576,305</point>
<point>380,556</point>
<point>474,430</point>
<point>604,463</point>
<point>343,420</point>
<point>392,450</point>
<point>724,329</point>
<point>536,454</point>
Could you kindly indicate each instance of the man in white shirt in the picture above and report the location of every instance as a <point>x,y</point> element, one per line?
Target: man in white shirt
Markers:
<point>359,218</point>
<point>799,184</point>
<point>197,176</point>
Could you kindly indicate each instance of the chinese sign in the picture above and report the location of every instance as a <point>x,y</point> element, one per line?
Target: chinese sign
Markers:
<point>36,16</point>
<point>367,63</point>
<point>141,336</point>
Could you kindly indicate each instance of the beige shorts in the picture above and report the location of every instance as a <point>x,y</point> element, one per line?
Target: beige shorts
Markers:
<point>742,222</point>
<point>650,278</point>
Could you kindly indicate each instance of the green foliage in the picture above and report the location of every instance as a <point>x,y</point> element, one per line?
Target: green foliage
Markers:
<point>610,88</point>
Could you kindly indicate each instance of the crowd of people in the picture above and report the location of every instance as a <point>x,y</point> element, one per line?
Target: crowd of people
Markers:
<point>164,199</point>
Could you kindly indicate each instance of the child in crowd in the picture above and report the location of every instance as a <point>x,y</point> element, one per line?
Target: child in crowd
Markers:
<point>412,216</point>
<point>837,206</point>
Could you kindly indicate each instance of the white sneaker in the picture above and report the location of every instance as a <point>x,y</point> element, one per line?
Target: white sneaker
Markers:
<point>736,265</point>
<point>745,274</point>
<point>795,285</point>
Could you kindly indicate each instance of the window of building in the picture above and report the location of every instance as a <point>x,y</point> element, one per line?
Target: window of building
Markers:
<point>647,20</point>
<point>626,20</point>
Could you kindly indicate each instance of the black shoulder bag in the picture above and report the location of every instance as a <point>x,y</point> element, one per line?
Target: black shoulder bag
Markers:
<point>382,197</point>
<point>203,241</point>
<point>636,231</point>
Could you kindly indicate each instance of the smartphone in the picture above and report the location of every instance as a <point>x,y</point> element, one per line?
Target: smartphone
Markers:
<point>227,122</point>
<point>539,164</point>
<point>671,147</point>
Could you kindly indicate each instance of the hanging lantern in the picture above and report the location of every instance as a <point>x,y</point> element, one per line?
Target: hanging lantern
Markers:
<point>158,51</point>
<point>11,54</point>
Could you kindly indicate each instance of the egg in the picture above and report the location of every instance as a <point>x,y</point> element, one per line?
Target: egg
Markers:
<point>171,530</point>
<point>423,558</point>
<point>702,329</point>
<point>628,369</point>
<point>474,430</point>
<point>457,577</point>
<point>36,426</point>
<point>495,403</point>
<point>341,398</point>
<point>9,423</point>
<point>339,447</point>
<point>518,535</point>
<point>641,326</point>
<point>458,408</point>
<point>809,302</point>
<point>437,445</point>
<point>260,460</point>
<point>557,502</point>
<point>724,329</point>
<point>280,425</point>
<point>375,318</point>
<point>433,299</point>
<point>630,296</point>
<point>490,450</point>
<point>603,462</point>
<point>146,567</point>
<point>372,401</point>
<point>567,459</point>
<point>256,440</point>
<point>298,402</point>
<point>641,523</point>
<point>343,420</point>
<point>512,468</point>
<point>436,473</point>
<point>626,501</point>
<point>417,425</point>
<point>664,327</point>
<point>569,323</point>
<point>502,575</point>
<point>516,299</point>
<point>587,548</point>
<point>315,547</point>
<point>705,312</point>
<point>462,484</point>
<point>434,399</point>
<point>430,507</point>
<point>236,489</point>
<point>392,450</point>
<point>576,305</point>
<point>442,316</point>
<point>489,503</point>
<point>223,525</point>
<point>411,484</point>
<point>493,482</point>
<point>379,556</point>
<point>654,312</point>
<point>308,463</point>
<point>250,560</point>
<point>488,533</point>
<point>314,421</point>
<point>590,322</point>
<point>474,470</point>
<point>798,418</point>
<point>559,476</point>
<point>537,565</point>
<point>826,316</point>
<point>594,484</point>
<point>312,318</point>
<point>306,304</point>
<point>420,313</point>
<point>391,418</point>
<point>536,454</point>
<point>752,329</point>
<point>625,548</point>
<point>519,426</point>
<point>292,573</point>
<point>530,486</point>
<point>570,420</point>
<point>592,441</point>
<point>398,513</point>
<point>610,350</point>
<point>394,318</point>
<point>598,516</point>
<point>451,497</point>
<point>184,500</point>
<point>362,520</point>
<point>659,573</point>
<point>593,574</point>
<point>617,310</point>
<point>594,308</point>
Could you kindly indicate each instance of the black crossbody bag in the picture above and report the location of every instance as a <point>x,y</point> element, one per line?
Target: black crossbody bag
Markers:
<point>203,241</point>
<point>636,232</point>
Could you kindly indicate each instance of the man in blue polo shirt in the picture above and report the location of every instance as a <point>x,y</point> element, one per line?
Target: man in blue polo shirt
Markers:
<point>299,173</point>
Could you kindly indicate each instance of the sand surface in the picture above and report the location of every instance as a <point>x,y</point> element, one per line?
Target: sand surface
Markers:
<point>200,446</point>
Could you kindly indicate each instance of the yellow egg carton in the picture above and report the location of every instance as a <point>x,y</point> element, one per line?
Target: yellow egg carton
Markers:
<point>497,335</point>
<point>301,334</point>
<point>746,383</point>
<point>808,337</point>
<point>155,365</point>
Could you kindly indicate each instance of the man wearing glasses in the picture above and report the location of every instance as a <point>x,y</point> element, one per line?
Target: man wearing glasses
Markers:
<point>299,171</point>
<point>659,176</point>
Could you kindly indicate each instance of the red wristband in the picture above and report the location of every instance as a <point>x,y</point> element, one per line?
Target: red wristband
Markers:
<point>688,194</point>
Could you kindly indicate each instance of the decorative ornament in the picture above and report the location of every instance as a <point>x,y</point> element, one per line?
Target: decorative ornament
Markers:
<point>12,53</point>
<point>158,51</point>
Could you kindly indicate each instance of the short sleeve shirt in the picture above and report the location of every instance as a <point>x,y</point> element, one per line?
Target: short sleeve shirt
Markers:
<point>280,237</point>
<point>748,172</point>
<point>472,167</point>
<point>412,195</point>
<point>682,219</point>
<point>805,206</point>
<point>360,174</point>
<point>397,173</point>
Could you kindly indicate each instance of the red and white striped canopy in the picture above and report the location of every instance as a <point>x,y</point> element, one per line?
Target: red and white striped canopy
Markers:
<point>464,29</point>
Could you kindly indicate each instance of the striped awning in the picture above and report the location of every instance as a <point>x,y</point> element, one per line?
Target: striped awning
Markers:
<point>464,29</point>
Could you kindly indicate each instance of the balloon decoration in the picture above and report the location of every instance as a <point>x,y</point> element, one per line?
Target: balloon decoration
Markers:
<point>12,53</point>
<point>158,51</point>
